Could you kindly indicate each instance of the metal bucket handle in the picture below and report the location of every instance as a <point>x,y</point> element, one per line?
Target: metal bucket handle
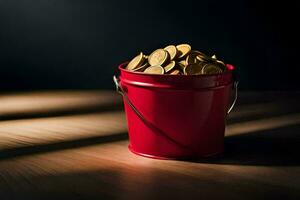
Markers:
<point>235,87</point>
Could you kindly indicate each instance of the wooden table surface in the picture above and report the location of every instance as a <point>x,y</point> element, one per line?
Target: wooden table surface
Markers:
<point>73,145</point>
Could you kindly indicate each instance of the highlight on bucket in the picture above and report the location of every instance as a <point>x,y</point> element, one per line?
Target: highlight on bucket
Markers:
<point>176,102</point>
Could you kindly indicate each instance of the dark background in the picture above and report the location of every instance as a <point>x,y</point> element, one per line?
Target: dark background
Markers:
<point>54,44</point>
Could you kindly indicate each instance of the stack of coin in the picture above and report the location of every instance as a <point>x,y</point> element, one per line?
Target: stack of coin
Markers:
<point>176,60</point>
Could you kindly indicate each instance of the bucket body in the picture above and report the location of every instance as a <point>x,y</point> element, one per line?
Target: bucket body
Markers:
<point>179,116</point>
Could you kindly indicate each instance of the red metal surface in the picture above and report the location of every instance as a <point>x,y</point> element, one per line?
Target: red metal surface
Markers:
<point>186,113</point>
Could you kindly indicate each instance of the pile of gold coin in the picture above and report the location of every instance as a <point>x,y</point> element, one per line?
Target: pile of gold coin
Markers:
<point>176,60</point>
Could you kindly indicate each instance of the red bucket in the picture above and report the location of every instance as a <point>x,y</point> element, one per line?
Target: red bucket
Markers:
<point>176,117</point>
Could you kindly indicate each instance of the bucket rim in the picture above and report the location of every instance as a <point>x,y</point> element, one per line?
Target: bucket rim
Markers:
<point>230,69</point>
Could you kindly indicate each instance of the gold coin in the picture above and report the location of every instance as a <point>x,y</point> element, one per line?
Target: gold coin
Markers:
<point>180,66</point>
<point>175,72</point>
<point>169,66</point>
<point>221,65</point>
<point>158,57</point>
<point>141,68</point>
<point>192,57</point>
<point>205,58</point>
<point>194,69</point>
<point>136,62</point>
<point>183,50</point>
<point>171,49</point>
<point>221,62</point>
<point>157,69</point>
<point>201,58</point>
<point>211,69</point>
<point>182,62</point>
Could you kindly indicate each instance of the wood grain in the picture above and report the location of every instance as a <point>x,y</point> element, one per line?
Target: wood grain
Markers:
<point>84,155</point>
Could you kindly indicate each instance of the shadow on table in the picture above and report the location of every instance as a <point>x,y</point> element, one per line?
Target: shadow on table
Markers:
<point>62,145</point>
<point>276,147</point>
<point>43,104</point>
<point>136,182</point>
